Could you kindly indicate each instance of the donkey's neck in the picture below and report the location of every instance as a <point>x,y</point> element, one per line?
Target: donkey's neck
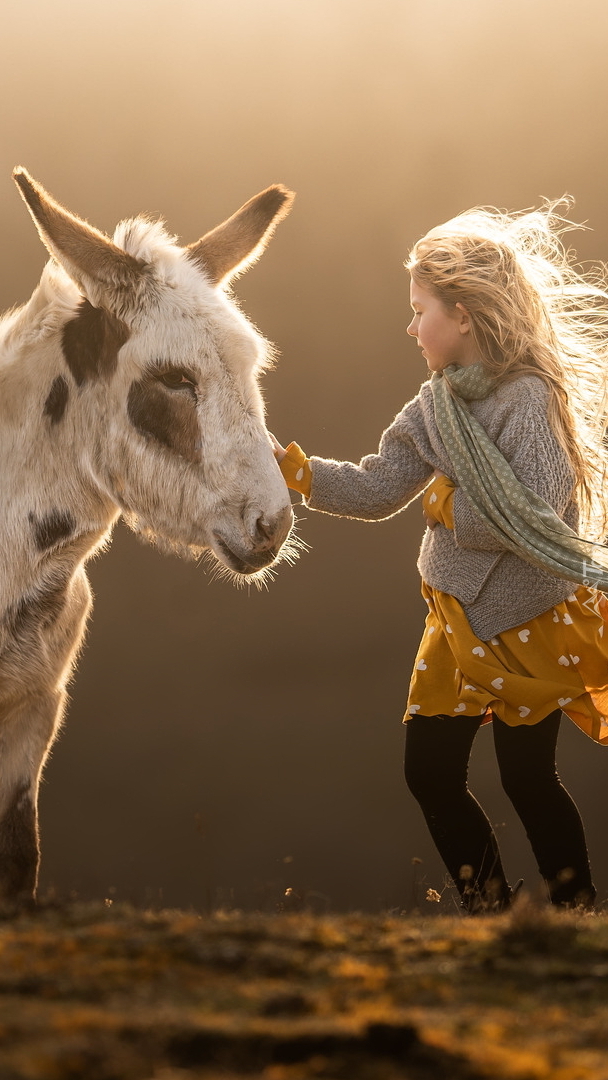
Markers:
<point>53,515</point>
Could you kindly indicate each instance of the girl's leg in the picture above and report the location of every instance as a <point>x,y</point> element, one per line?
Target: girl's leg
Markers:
<point>526,759</point>
<point>437,751</point>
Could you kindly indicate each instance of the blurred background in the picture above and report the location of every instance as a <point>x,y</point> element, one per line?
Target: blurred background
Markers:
<point>223,746</point>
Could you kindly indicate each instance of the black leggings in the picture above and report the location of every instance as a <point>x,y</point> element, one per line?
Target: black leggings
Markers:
<point>437,751</point>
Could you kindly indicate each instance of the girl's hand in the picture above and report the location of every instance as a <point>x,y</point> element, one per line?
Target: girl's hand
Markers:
<point>431,522</point>
<point>294,466</point>
<point>278,450</point>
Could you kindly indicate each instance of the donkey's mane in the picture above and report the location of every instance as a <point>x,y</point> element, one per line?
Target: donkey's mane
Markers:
<point>171,269</point>
<point>145,238</point>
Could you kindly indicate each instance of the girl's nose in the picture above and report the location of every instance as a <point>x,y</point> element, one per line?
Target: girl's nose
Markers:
<point>410,330</point>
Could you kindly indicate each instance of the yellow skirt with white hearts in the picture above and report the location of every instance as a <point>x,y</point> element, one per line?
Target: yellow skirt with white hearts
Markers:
<point>557,660</point>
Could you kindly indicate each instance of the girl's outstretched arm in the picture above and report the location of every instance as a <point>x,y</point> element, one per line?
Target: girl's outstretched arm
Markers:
<point>379,486</point>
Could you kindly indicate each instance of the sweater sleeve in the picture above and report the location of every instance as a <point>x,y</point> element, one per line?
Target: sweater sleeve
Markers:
<point>538,461</point>
<point>381,484</point>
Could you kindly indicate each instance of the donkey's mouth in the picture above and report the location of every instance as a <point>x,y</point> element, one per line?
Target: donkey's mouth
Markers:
<point>241,563</point>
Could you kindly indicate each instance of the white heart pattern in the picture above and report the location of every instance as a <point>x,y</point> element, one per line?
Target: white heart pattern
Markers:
<point>563,701</point>
<point>478,651</point>
<point>568,619</point>
<point>523,635</point>
<point>433,498</point>
<point>494,641</point>
<point>461,705</point>
<point>555,616</point>
<point>448,628</point>
<point>300,474</point>
<point>421,665</point>
<point>498,683</point>
<point>575,659</point>
<point>413,708</point>
<point>571,598</point>
<point>468,687</point>
<point>431,629</point>
<point>563,660</point>
<point>523,711</point>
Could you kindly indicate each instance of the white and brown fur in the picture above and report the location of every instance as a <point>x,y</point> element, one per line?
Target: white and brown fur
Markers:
<point>128,385</point>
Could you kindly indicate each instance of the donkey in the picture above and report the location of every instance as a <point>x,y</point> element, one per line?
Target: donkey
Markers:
<point>128,385</point>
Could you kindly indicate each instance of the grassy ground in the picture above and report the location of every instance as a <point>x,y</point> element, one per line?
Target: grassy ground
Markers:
<point>91,992</point>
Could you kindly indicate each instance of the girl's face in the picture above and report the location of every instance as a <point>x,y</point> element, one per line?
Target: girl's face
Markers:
<point>442,334</point>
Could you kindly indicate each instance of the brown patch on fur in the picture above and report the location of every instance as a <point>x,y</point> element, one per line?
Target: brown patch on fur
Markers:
<point>56,402</point>
<point>236,243</point>
<point>39,610</point>
<point>52,528</point>
<point>91,343</point>
<point>167,416</point>
<point>19,848</point>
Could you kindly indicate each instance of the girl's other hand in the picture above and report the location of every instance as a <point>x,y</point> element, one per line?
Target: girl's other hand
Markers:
<point>278,450</point>
<point>437,501</point>
<point>431,522</point>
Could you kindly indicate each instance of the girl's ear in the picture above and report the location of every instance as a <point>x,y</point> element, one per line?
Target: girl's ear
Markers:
<point>464,321</point>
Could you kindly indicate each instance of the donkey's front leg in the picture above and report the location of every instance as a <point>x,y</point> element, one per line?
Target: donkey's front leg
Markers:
<point>26,733</point>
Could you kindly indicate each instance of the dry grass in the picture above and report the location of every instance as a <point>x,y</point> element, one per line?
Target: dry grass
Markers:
<point>89,992</point>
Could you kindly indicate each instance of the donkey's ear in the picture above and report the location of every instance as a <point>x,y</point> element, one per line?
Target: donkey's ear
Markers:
<point>91,259</point>
<point>234,245</point>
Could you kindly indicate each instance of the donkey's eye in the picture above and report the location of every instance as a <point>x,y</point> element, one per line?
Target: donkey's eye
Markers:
<point>176,379</point>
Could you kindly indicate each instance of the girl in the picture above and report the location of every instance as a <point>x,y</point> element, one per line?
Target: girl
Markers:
<point>506,440</point>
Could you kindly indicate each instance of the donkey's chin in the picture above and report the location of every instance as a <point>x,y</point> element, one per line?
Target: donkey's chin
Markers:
<point>243,562</point>
<point>238,567</point>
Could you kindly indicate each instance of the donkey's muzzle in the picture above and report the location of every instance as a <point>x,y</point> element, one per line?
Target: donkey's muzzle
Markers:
<point>261,543</point>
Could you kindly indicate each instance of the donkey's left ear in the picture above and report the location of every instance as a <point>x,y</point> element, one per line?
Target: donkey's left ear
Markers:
<point>234,245</point>
<point>91,259</point>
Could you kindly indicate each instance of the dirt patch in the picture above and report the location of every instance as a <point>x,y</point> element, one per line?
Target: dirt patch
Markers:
<point>90,992</point>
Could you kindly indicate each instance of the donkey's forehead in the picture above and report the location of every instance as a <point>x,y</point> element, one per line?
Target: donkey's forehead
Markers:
<point>206,351</point>
<point>210,331</point>
<point>186,312</point>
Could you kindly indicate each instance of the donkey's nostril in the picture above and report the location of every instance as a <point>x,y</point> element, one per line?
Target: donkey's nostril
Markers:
<point>264,530</point>
<point>269,531</point>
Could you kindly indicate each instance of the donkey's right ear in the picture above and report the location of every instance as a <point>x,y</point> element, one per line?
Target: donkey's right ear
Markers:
<point>233,246</point>
<point>91,259</point>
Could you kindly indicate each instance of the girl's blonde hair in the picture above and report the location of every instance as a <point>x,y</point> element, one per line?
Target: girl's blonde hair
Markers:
<point>533,311</point>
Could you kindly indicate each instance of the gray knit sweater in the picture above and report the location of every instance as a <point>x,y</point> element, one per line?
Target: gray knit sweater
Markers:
<point>496,588</point>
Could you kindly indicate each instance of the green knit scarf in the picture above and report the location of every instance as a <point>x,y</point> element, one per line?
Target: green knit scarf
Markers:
<point>518,517</point>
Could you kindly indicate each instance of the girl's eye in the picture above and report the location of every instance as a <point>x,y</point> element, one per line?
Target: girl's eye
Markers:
<point>176,379</point>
